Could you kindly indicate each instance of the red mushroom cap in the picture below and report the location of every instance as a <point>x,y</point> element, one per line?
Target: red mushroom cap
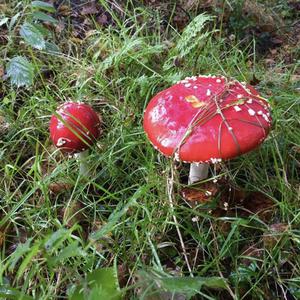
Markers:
<point>207,119</point>
<point>74,127</point>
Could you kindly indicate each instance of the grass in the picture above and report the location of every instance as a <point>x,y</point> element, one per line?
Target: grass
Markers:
<point>121,215</point>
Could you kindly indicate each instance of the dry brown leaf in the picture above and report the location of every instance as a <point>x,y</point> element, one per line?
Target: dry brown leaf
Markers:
<point>192,4</point>
<point>65,10</point>
<point>72,214</point>
<point>59,187</point>
<point>89,9</point>
<point>251,254</point>
<point>274,234</point>
<point>265,18</point>
<point>257,203</point>
<point>200,194</point>
<point>123,274</point>
<point>102,19</point>
<point>2,238</point>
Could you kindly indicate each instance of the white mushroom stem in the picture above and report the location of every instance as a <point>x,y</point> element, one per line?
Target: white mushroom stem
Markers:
<point>81,157</point>
<point>198,172</point>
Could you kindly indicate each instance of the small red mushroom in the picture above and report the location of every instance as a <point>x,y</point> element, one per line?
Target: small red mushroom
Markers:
<point>74,128</point>
<point>207,119</point>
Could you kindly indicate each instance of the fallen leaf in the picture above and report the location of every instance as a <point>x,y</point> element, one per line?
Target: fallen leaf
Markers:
<point>89,9</point>
<point>272,237</point>
<point>73,213</point>
<point>123,274</point>
<point>201,194</point>
<point>59,27</point>
<point>59,187</point>
<point>2,237</point>
<point>259,204</point>
<point>64,10</point>
<point>102,19</point>
<point>251,254</point>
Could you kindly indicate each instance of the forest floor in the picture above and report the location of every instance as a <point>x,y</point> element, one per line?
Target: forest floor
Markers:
<point>65,236</point>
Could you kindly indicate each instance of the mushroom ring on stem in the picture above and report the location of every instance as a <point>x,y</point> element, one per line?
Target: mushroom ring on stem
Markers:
<point>74,128</point>
<point>207,119</point>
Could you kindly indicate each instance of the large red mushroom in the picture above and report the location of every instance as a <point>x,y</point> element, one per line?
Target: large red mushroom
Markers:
<point>74,128</point>
<point>207,119</point>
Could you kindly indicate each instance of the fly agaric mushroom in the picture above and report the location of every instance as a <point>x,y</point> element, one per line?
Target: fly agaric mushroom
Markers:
<point>206,119</point>
<point>74,128</point>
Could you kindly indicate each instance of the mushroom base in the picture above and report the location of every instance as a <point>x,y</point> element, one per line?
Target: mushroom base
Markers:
<point>198,172</point>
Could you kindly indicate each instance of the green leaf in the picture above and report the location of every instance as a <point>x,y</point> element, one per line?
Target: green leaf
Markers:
<point>18,253</point>
<point>43,6</point>
<point>189,286</point>
<point>52,48</point>
<point>32,36</point>
<point>100,284</point>
<point>20,71</point>
<point>10,293</point>
<point>41,16</point>
<point>28,259</point>
<point>70,251</point>
<point>59,235</point>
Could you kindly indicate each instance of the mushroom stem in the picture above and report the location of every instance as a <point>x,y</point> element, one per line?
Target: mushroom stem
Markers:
<point>81,157</point>
<point>198,172</point>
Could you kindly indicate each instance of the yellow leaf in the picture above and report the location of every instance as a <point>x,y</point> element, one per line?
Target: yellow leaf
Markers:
<point>195,102</point>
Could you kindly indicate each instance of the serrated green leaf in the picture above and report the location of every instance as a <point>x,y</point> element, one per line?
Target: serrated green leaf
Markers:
<point>28,259</point>
<point>32,36</point>
<point>18,253</point>
<point>43,5</point>
<point>41,16</point>
<point>99,284</point>
<point>20,71</point>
